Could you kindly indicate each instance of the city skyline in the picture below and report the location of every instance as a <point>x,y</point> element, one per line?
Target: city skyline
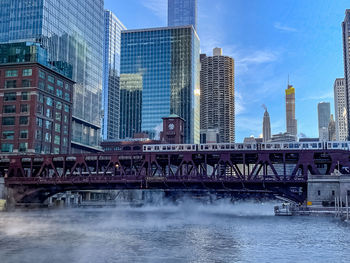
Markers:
<point>263,66</point>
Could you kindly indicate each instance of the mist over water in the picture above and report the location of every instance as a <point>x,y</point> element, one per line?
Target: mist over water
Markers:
<point>162,232</point>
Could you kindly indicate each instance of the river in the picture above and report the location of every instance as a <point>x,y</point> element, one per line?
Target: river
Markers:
<point>188,232</point>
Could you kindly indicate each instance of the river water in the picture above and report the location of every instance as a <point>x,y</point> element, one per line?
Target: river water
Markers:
<point>189,232</point>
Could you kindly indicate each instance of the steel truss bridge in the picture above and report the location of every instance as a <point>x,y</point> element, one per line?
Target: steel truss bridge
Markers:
<point>33,178</point>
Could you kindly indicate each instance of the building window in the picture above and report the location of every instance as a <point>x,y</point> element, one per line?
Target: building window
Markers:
<point>65,141</point>
<point>47,137</point>
<point>57,127</point>
<point>65,119</point>
<point>59,93</point>
<point>24,107</point>
<point>51,79</point>
<point>11,73</point>
<point>38,135</point>
<point>41,98</point>
<point>8,120</point>
<point>58,116</point>
<point>7,147</point>
<point>333,192</point>
<point>27,72</point>
<point>41,74</point>
<point>9,109</point>
<point>67,86</point>
<point>23,134</point>
<point>39,122</point>
<point>49,101</point>
<point>65,129</point>
<point>48,125</point>
<point>23,120</point>
<point>23,146</point>
<point>48,113</point>
<point>67,96</point>
<point>59,83</point>
<point>38,148</point>
<point>57,139</point>
<point>58,105</point>
<point>25,96</point>
<point>50,89</point>
<point>66,108</point>
<point>56,150</point>
<point>41,85</point>
<point>10,84</point>
<point>8,135</point>
<point>10,96</point>
<point>26,83</point>
<point>39,109</point>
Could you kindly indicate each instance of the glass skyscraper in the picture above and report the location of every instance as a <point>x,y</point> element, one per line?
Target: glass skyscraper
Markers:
<point>182,13</point>
<point>111,75</point>
<point>165,61</point>
<point>72,32</point>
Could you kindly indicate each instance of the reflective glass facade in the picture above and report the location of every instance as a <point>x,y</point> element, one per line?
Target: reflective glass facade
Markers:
<point>168,61</point>
<point>111,74</point>
<point>182,13</point>
<point>72,32</point>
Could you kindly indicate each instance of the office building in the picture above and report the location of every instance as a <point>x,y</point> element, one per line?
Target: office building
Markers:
<point>340,109</point>
<point>324,116</point>
<point>182,13</point>
<point>36,103</point>
<point>346,56</point>
<point>111,76</point>
<point>266,127</point>
<point>165,63</point>
<point>291,122</point>
<point>72,32</point>
<point>217,102</point>
<point>283,137</point>
<point>332,130</point>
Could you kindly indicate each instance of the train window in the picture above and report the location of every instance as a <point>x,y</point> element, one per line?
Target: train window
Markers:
<point>296,146</point>
<point>227,146</point>
<point>285,146</point>
<point>249,146</point>
<point>181,147</point>
<point>149,148</point>
<point>163,148</point>
<point>215,147</point>
<point>173,148</point>
<point>206,147</point>
<point>222,147</point>
<point>144,148</point>
<point>201,147</point>
<point>335,145</point>
<point>291,146</point>
<point>189,147</point>
<point>305,145</point>
<point>232,146</point>
<point>157,148</point>
<point>314,145</point>
<point>193,147</point>
<point>168,147</point>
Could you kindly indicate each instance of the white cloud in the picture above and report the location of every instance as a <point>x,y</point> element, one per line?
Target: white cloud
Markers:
<point>284,28</point>
<point>320,97</point>
<point>239,103</point>
<point>158,7</point>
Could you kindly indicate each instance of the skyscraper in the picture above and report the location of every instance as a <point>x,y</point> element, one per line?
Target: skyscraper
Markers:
<point>266,127</point>
<point>346,55</point>
<point>72,32</point>
<point>291,122</point>
<point>182,13</point>
<point>166,61</point>
<point>111,75</point>
<point>332,130</point>
<point>324,116</point>
<point>340,109</point>
<point>217,102</point>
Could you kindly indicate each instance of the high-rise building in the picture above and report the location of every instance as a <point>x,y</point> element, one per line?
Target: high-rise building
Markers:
<point>72,32</point>
<point>166,62</point>
<point>291,122</point>
<point>324,116</point>
<point>111,75</point>
<point>217,101</point>
<point>332,130</point>
<point>266,127</point>
<point>340,109</point>
<point>346,55</point>
<point>36,103</point>
<point>182,13</point>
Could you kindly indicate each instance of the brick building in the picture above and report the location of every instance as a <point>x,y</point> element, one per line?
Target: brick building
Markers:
<point>35,103</point>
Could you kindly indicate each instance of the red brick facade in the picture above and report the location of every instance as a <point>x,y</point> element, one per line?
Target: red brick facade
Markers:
<point>35,109</point>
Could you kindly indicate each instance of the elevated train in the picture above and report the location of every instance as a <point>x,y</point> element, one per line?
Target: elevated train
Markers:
<point>331,145</point>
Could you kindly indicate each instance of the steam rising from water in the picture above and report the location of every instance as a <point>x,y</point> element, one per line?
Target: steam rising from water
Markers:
<point>162,232</point>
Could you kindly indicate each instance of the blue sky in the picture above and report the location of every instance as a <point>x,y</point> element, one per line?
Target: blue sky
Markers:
<point>268,39</point>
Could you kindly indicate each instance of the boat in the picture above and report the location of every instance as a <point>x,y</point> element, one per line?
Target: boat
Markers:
<point>286,209</point>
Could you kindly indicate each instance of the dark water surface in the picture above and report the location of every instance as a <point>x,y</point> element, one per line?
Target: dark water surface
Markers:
<point>244,232</point>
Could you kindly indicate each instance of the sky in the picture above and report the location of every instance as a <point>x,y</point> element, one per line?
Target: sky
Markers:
<point>269,41</point>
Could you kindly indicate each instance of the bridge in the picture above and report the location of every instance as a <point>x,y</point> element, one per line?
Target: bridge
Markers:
<point>34,178</point>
